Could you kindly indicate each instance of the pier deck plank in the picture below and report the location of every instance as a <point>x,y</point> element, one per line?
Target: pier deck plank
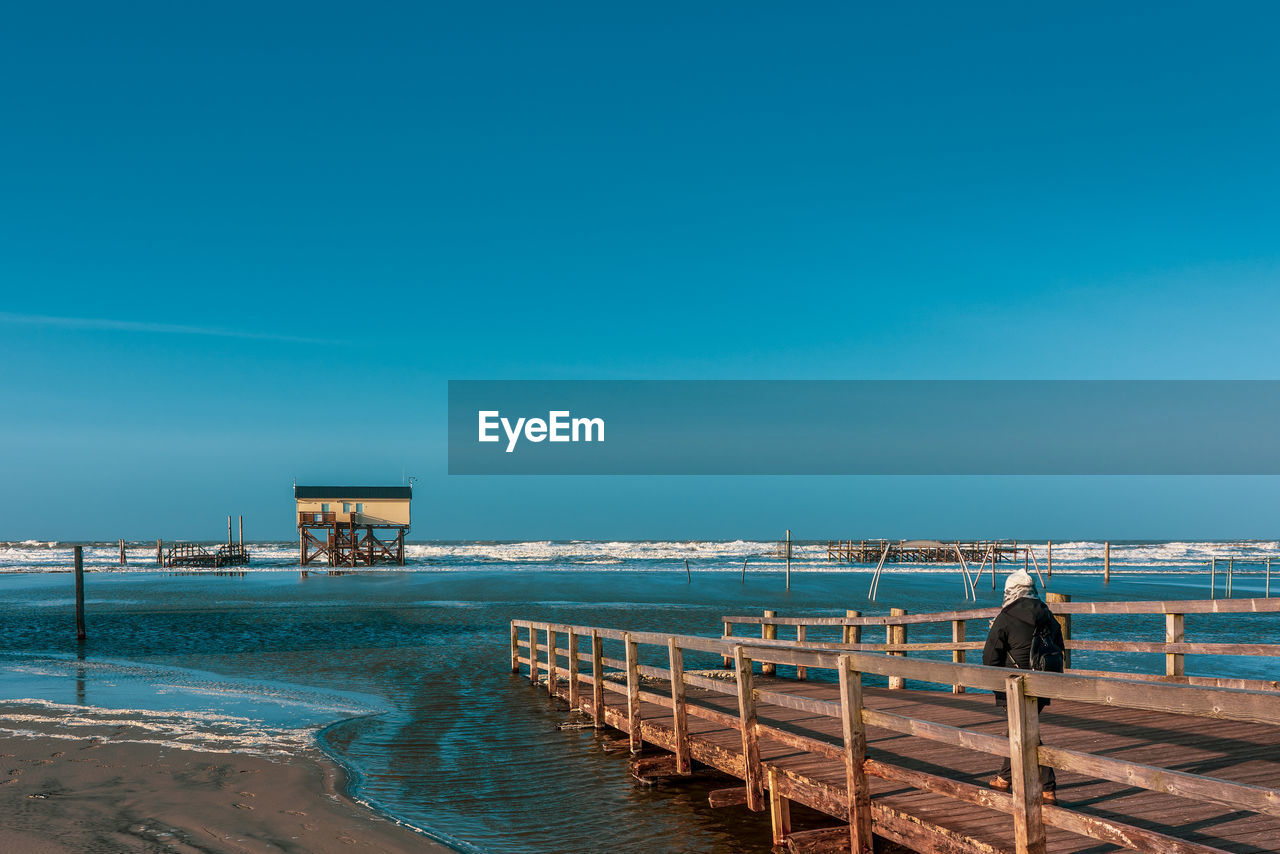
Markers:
<point>1229,750</point>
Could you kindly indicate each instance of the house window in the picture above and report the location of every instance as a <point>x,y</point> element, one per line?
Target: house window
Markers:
<point>359,508</point>
<point>346,507</point>
<point>324,508</point>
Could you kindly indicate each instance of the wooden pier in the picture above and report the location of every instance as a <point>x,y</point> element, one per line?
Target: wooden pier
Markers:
<point>922,551</point>
<point>194,555</point>
<point>1158,762</point>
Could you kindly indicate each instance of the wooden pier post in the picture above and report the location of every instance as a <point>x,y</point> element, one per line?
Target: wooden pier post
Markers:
<point>533,655</point>
<point>855,753</point>
<point>744,570</point>
<point>747,726</point>
<point>597,678</point>
<point>159,552</point>
<point>1064,620</point>
<point>1024,746</point>
<point>1174,632</point>
<point>802,672</point>
<point>551,662</point>
<point>728,632</point>
<point>633,693</point>
<point>957,655</point>
<point>574,697</point>
<point>687,576</point>
<point>242,529</point>
<point>769,631</point>
<point>124,560</point>
<point>779,810</point>
<point>515,648</point>
<point>229,540</point>
<point>852,634</point>
<point>896,635</point>
<point>79,569</point>
<point>1049,568</point>
<point>679,709</point>
<point>1106,564</point>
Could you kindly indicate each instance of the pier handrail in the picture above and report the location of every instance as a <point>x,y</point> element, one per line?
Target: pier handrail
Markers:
<point>1022,745</point>
<point>1174,646</point>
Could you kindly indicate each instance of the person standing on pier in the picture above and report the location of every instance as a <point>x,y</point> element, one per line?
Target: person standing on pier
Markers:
<point>1013,633</point>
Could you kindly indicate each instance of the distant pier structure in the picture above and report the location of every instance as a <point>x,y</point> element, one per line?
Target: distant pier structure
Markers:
<point>921,551</point>
<point>352,525</point>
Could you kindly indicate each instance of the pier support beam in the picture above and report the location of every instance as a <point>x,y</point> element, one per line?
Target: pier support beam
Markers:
<point>855,755</point>
<point>750,736</point>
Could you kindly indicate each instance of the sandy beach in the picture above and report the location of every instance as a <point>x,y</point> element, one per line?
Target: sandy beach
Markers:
<point>74,792</point>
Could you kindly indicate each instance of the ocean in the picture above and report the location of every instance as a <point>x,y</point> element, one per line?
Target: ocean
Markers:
<point>402,674</point>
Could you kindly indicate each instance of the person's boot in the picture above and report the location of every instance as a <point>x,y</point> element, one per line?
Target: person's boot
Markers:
<point>1050,796</point>
<point>998,783</point>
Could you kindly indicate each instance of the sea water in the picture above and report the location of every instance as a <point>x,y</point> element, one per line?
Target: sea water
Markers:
<point>403,675</point>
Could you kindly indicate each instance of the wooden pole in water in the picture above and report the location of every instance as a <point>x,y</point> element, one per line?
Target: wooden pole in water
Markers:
<point>1268,593</point>
<point>744,570</point>
<point>159,552</point>
<point>1231,570</point>
<point>1213,581</point>
<point>229,530</point>
<point>79,567</point>
<point>788,558</point>
<point>686,571</point>
<point>1106,564</point>
<point>124,560</point>
<point>242,529</point>
<point>1049,567</point>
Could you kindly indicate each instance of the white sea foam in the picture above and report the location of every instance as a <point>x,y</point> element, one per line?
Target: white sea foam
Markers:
<point>38,556</point>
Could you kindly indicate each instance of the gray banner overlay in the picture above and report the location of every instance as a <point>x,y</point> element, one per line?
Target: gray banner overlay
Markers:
<point>865,427</point>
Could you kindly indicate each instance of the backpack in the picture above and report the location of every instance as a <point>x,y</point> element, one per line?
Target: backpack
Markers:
<point>1045,652</point>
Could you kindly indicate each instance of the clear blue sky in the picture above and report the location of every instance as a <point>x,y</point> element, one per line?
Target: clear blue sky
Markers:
<point>251,242</point>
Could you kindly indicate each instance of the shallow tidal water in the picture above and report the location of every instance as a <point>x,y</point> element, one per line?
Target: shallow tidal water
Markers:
<point>414,668</point>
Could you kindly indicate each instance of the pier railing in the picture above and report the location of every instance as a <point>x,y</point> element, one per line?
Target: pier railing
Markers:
<point>537,646</point>
<point>846,633</point>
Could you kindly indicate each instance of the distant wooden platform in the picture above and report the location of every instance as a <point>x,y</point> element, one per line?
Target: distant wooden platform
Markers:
<point>1159,768</point>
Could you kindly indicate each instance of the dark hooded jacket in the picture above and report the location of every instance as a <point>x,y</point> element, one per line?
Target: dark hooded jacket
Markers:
<point>1009,641</point>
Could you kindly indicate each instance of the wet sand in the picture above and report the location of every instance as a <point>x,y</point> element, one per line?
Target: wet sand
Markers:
<point>66,793</point>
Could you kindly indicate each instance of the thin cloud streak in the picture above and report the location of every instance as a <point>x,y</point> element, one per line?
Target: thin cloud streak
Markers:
<point>103,324</point>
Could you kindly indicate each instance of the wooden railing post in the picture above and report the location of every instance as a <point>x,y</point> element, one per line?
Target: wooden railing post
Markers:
<point>855,753</point>
<point>533,655</point>
<point>728,633</point>
<point>597,678</point>
<point>957,655</point>
<point>1064,620</point>
<point>779,811</point>
<point>1174,632</point>
<point>853,634</point>
<point>633,693</point>
<point>768,631</point>
<point>679,709</point>
<point>747,724</point>
<point>573,670</point>
<point>515,648</point>
<point>802,672</point>
<point>896,635</point>
<point>551,662</point>
<point>1024,747</point>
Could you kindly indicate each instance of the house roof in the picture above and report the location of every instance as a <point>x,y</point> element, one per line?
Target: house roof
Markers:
<point>341,492</point>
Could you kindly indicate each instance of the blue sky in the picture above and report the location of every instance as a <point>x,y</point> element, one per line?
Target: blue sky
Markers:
<point>244,244</point>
